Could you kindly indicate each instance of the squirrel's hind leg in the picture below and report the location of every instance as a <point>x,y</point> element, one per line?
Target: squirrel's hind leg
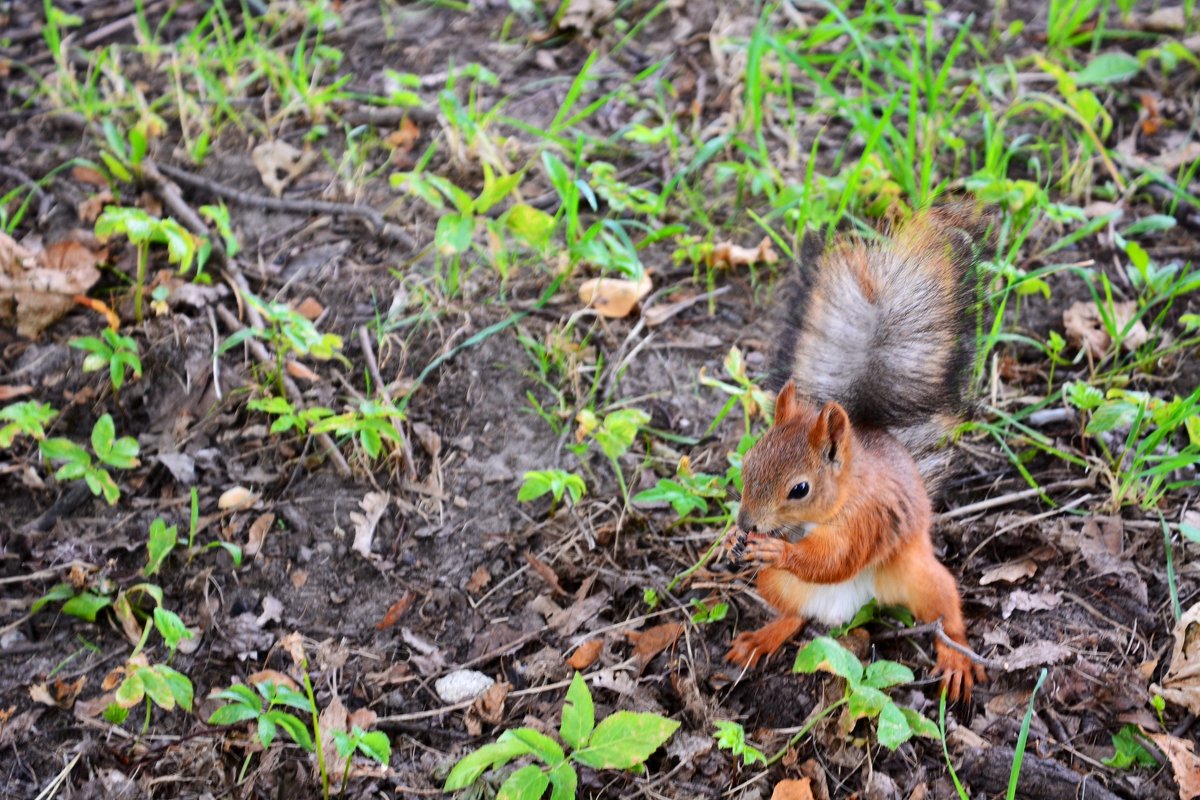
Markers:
<point>750,647</point>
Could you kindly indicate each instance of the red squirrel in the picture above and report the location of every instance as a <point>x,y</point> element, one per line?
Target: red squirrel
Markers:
<point>835,510</point>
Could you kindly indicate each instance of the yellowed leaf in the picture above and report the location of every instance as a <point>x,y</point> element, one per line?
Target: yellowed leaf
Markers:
<point>300,372</point>
<point>614,297</point>
<point>792,790</point>
<point>258,534</point>
<point>236,499</point>
<point>728,254</point>
<point>586,654</point>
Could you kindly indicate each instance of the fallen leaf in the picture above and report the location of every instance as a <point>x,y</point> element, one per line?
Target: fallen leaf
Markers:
<point>728,254</point>
<point>430,441</point>
<point>100,307</point>
<point>792,790</point>
<point>91,208</point>
<point>279,163</point>
<point>1181,684</point>
<point>310,308</point>
<point>1184,763</point>
<point>236,499</point>
<point>487,708</point>
<point>258,534</point>
<point>569,620</point>
<point>275,677</point>
<point>614,297</point>
<point>544,572</point>
<point>332,718</point>
<point>649,643</point>
<point>478,580</point>
<point>1085,328</point>
<point>403,139</point>
<point>427,657</point>
<point>272,612</point>
<point>293,645</point>
<point>301,372</point>
<point>585,655</point>
<point>11,392</point>
<point>1036,654</point>
<point>63,695</point>
<point>89,176</point>
<point>1010,572</point>
<point>1021,600</point>
<point>37,289</point>
<point>373,505</point>
<point>299,578</point>
<point>461,685</point>
<point>395,611</point>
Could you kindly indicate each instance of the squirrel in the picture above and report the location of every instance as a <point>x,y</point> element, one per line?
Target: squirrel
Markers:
<point>874,361</point>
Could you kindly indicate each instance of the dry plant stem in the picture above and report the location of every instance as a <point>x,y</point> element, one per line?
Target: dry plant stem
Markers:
<point>364,340</point>
<point>966,651</point>
<point>1014,497</point>
<point>261,354</point>
<point>382,228</point>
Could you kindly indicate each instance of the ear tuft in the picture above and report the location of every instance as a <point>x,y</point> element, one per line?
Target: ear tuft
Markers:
<point>785,403</point>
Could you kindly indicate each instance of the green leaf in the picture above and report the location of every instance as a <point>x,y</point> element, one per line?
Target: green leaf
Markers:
<point>536,484</point>
<point>453,234</point>
<point>240,693</point>
<point>86,605</point>
<point>62,591</point>
<point>893,727</point>
<point>130,692</point>
<point>732,737</point>
<point>232,714</point>
<point>267,730</point>
<point>565,780</point>
<point>103,433</point>
<point>179,684</point>
<point>866,701</point>
<point>115,714</point>
<point>490,756</point>
<point>527,783</point>
<point>295,729</point>
<point>156,688</point>
<point>531,225</point>
<point>1108,68</point>
<point>64,450</point>
<point>1128,751</point>
<point>171,627</point>
<point>578,714</point>
<point>376,746</point>
<point>920,725</point>
<point>882,674</point>
<point>161,543</point>
<point>541,745</point>
<point>625,739</point>
<point>827,655</point>
<point>1113,414</point>
<point>495,189</point>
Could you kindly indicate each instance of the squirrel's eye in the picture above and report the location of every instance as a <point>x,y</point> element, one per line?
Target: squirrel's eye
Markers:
<point>799,491</point>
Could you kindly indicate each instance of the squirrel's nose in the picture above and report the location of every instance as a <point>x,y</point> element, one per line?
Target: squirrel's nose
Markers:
<point>745,522</point>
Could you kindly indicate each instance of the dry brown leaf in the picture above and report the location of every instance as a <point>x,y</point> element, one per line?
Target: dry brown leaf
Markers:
<point>586,654</point>
<point>100,307</point>
<point>728,254</point>
<point>1010,572</point>
<point>92,207</point>
<point>236,499</point>
<point>395,611</point>
<point>614,297</point>
<point>37,289</point>
<point>89,176</point>
<point>1021,600</point>
<point>403,139</point>
<point>373,505</point>
<point>569,619</point>
<point>1036,654</point>
<point>792,790</point>
<point>1085,328</point>
<point>299,578</point>
<point>275,677</point>
<point>489,706</point>
<point>293,645</point>
<point>272,611</point>
<point>310,308</point>
<point>12,392</point>
<point>544,572</point>
<point>258,534</point>
<point>94,707</point>
<point>279,163</point>
<point>652,641</point>
<point>478,580</point>
<point>301,372</point>
<point>1184,763</point>
<point>63,695</point>
<point>1181,684</point>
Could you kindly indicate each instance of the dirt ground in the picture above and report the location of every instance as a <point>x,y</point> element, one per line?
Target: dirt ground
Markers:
<point>477,575</point>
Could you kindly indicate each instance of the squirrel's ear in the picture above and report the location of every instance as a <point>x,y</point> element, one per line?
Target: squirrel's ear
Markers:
<point>831,433</point>
<point>785,403</point>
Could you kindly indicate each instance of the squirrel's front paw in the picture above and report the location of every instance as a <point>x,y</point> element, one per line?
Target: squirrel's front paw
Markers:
<point>959,673</point>
<point>764,551</point>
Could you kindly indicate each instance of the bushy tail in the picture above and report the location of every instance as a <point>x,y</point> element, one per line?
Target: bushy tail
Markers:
<point>888,330</point>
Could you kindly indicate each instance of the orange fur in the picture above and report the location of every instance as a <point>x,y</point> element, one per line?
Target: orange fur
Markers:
<point>834,508</point>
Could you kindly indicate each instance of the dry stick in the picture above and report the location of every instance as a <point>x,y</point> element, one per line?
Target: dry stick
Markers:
<point>966,651</point>
<point>1027,521</point>
<point>1014,497</point>
<point>382,228</point>
<point>364,341</point>
<point>263,357</point>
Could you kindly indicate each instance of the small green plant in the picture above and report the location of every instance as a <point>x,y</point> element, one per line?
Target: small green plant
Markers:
<point>288,332</point>
<point>689,493</point>
<point>28,417</point>
<point>623,740</point>
<point>286,416</point>
<point>864,697</point>
<point>112,350</point>
<point>753,400</point>
<point>158,684</point>
<point>110,451</point>
<point>615,435</point>
<point>1128,750</point>
<point>732,737</point>
<point>374,745</point>
<point>248,704</point>
<point>160,544</point>
<point>367,426</point>
<point>704,613</point>
<point>143,230</point>
<point>554,482</point>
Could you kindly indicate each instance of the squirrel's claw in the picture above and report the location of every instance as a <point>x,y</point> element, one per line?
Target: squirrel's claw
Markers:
<point>959,674</point>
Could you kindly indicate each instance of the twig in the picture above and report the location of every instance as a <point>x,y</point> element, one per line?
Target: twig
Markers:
<point>1015,497</point>
<point>966,651</point>
<point>1027,521</point>
<point>382,228</point>
<point>259,351</point>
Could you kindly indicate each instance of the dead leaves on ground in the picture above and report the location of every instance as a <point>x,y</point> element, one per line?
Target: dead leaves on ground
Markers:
<point>614,297</point>
<point>279,163</point>
<point>39,287</point>
<point>1181,684</point>
<point>1086,330</point>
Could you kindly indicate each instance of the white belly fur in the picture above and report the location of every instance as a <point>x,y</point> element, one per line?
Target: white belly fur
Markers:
<point>835,603</point>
